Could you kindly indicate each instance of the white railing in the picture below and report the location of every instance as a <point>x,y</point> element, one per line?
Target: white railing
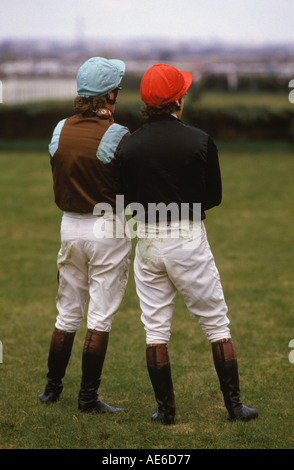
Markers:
<point>25,90</point>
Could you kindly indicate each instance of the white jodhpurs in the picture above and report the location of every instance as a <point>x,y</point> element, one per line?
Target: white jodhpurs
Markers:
<point>166,265</point>
<point>91,267</point>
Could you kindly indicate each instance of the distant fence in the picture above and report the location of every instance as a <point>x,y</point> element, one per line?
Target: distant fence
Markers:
<point>24,91</point>
<point>21,120</point>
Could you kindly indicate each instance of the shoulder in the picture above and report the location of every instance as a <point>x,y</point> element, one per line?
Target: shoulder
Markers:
<point>134,139</point>
<point>53,146</point>
<point>193,129</point>
<point>116,131</point>
<point>110,142</point>
<point>196,134</point>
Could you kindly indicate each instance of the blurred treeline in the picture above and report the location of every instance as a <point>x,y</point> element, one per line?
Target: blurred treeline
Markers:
<point>254,108</point>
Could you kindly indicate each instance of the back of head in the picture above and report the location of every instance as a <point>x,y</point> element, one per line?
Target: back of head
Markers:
<point>95,79</point>
<point>162,84</point>
<point>98,76</point>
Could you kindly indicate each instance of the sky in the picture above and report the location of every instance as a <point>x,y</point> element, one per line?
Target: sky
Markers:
<point>230,21</point>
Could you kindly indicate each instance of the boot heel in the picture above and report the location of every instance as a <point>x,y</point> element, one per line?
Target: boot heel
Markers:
<point>51,396</point>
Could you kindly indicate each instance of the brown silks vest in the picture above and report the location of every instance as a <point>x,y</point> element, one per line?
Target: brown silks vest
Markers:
<point>82,155</point>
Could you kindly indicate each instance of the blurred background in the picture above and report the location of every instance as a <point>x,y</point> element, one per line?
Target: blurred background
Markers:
<point>241,55</point>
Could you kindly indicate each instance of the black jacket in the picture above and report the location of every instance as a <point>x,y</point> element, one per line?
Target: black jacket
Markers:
<point>167,161</point>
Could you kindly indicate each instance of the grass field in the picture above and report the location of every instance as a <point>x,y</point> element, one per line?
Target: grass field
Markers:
<point>251,235</point>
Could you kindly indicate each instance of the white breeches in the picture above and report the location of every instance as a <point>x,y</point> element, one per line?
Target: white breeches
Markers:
<point>91,267</point>
<point>166,265</point>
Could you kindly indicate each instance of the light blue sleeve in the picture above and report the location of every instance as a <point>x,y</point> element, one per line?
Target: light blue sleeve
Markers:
<point>110,141</point>
<point>53,146</point>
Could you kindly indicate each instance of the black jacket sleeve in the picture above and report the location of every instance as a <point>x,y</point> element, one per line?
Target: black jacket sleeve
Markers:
<point>213,182</point>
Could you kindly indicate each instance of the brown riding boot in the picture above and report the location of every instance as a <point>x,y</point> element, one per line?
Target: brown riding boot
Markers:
<point>59,354</point>
<point>159,370</point>
<point>94,352</point>
<point>226,366</point>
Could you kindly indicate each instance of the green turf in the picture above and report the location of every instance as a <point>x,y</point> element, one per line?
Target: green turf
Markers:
<point>251,235</point>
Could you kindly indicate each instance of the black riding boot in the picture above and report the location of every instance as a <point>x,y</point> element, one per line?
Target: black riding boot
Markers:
<point>59,354</point>
<point>94,351</point>
<point>159,370</point>
<point>226,366</point>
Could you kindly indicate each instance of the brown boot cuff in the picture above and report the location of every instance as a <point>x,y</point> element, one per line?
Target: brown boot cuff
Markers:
<point>223,351</point>
<point>96,343</point>
<point>61,341</point>
<point>157,355</point>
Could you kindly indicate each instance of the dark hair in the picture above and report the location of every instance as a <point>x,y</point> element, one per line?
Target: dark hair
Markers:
<point>86,106</point>
<point>149,112</point>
